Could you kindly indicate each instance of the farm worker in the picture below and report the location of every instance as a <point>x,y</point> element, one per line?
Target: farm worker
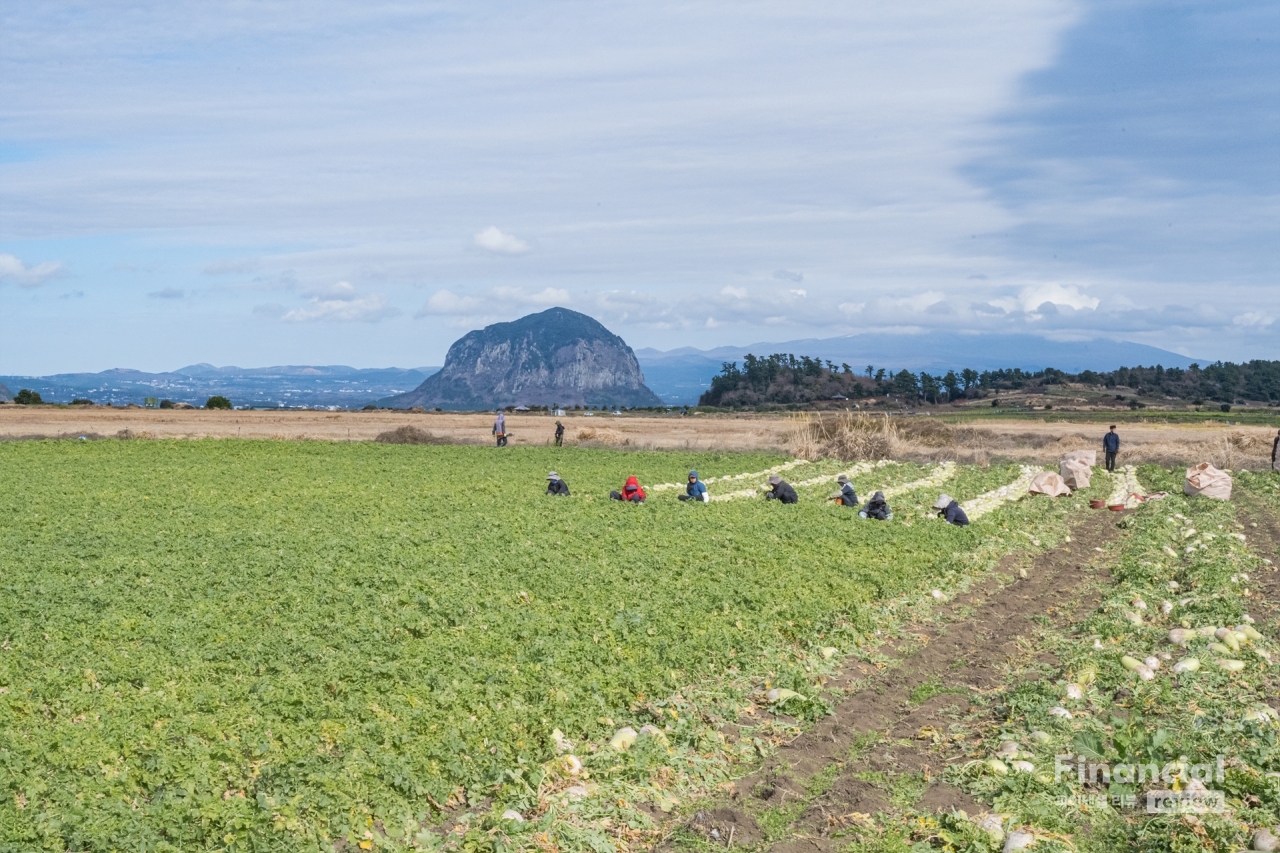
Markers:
<point>781,491</point>
<point>950,510</point>
<point>1275,451</point>
<point>500,429</point>
<point>1110,447</point>
<point>631,492</point>
<point>556,486</point>
<point>846,496</point>
<point>696,490</point>
<point>559,434</point>
<point>877,508</point>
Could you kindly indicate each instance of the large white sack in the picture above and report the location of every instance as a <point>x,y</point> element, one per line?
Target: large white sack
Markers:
<point>1075,473</point>
<point>1088,457</point>
<point>1049,483</point>
<point>1207,481</point>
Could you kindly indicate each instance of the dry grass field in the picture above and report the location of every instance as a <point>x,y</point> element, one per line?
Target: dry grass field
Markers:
<point>917,438</point>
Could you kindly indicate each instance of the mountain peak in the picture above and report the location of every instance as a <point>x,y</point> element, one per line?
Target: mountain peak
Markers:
<point>554,356</point>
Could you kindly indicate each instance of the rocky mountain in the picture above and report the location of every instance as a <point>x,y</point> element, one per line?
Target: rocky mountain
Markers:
<point>556,356</point>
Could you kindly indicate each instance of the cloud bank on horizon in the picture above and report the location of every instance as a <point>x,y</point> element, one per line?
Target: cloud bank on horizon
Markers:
<point>337,182</point>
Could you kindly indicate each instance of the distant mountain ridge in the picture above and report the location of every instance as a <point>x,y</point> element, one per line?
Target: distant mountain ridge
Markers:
<point>556,356</point>
<point>309,386</point>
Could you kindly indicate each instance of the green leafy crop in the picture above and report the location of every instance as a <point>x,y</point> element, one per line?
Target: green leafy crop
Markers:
<point>277,646</point>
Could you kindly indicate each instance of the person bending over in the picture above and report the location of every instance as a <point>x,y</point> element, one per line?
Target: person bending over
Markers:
<point>696,490</point>
<point>846,496</point>
<point>781,491</point>
<point>556,486</point>
<point>631,492</point>
<point>877,508</point>
<point>950,510</point>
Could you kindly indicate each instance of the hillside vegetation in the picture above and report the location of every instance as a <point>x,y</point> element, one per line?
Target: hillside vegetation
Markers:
<point>785,379</point>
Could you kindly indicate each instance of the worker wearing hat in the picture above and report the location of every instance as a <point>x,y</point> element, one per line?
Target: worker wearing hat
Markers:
<point>846,496</point>
<point>781,491</point>
<point>696,490</point>
<point>556,486</point>
<point>950,510</point>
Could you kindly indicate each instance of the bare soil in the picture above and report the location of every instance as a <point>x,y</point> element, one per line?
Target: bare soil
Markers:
<point>883,728</point>
<point>924,439</point>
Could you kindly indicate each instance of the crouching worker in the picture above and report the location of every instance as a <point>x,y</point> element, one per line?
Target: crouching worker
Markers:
<point>696,490</point>
<point>877,508</point>
<point>781,491</point>
<point>631,492</point>
<point>556,486</point>
<point>846,496</point>
<point>950,510</point>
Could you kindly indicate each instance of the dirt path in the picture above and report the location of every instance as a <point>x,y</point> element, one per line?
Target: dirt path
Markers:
<point>889,738</point>
<point>1262,531</point>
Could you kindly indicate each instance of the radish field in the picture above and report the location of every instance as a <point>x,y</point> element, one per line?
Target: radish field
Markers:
<point>250,645</point>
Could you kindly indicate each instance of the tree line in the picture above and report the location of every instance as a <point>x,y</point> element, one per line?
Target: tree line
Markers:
<point>783,378</point>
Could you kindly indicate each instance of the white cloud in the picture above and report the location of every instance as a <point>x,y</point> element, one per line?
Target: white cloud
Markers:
<point>799,292</point>
<point>168,293</point>
<point>446,303</point>
<point>493,239</point>
<point>1030,299</point>
<point>735,292</point>
<point>920,301</point>
<point>711,323</point>
<point>340,302</point>
<point>851,308</point>
<point>788,275</point>
<point>14,270</point>
<point>1253,318</point>
<point>492,305</point>
<point>547,297</point>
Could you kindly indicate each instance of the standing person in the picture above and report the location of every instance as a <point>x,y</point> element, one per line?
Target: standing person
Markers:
<point>631,492</point>
<point>500,429</point>
<point>846,496</point>
<point>877,508</point>
<point>1275,458</point>
<point>556,486</point>
<point>696,490</point>
<point>559,434</point>
<point>1110,447</point>
<point>950,510</point>
<point>781,491</point>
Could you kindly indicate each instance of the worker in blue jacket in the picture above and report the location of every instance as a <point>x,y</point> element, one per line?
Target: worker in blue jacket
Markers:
<point>846,496</point>
<point>1110,447</point>
<point>950,510</point>
<point>696,490</point>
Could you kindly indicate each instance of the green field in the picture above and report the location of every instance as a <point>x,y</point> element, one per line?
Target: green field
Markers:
<point>287,646</point>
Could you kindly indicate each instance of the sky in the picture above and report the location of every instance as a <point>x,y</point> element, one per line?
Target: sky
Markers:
<point>361,183</point>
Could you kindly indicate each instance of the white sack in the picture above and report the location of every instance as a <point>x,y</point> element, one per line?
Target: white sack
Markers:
<point>1049,483</point>
<point>1088,457</point>
<point>1075,473</point>
<point>1208,481</point>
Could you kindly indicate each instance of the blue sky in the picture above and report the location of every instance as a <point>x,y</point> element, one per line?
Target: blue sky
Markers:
<point>264,183</point>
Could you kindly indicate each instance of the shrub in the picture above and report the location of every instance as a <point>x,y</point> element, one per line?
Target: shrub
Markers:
<point>27,397</point>
<point>82,401</point>
<point>217,401</point>
<point>409,435</point>
<point>166,404</point>
<point>1225,407</point>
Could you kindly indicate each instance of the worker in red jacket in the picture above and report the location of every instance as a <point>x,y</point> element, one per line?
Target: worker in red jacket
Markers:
<point>631,492</point>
